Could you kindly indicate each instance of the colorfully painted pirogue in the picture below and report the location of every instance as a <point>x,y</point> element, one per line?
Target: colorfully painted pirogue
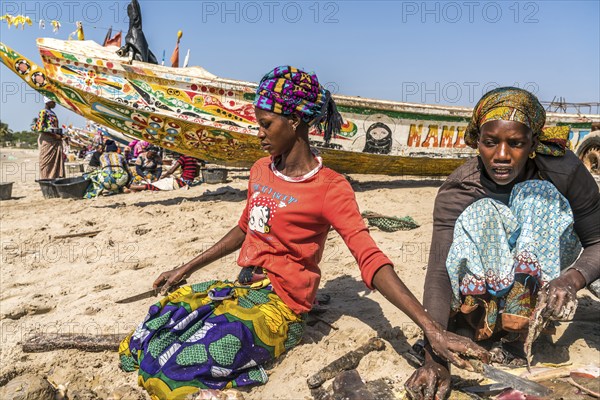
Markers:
<point>194,112</point>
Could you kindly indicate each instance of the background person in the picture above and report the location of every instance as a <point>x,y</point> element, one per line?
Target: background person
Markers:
<point>50,141</point>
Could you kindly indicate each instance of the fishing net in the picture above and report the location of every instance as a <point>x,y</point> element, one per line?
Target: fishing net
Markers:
<point>390,224</point>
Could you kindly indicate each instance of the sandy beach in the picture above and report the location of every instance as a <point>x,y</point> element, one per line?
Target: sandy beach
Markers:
<point>70,285</point>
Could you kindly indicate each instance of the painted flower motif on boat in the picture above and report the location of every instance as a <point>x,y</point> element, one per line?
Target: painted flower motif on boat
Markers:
<point>200,139</point>
<point>22,66</point>
<point>173,131</point>
<point>147,126</point>
<point>233,146</point>
<point>38,79</point>
<point>90,78</point>
<point>173,128</point>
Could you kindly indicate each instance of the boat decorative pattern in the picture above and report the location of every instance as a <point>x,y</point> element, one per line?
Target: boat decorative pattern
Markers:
<point>194,112</point>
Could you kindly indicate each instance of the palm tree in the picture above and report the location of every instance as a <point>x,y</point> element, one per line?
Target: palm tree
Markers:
<point>6,134</point>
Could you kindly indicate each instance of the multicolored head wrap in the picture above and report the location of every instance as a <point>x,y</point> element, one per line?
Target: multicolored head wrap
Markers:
<point>514,104</point>
<point>287,90</point>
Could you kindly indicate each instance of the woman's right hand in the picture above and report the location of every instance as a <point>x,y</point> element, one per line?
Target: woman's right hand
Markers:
<point>455,348</point>
<point>169,278</point>
<point>431,381</point>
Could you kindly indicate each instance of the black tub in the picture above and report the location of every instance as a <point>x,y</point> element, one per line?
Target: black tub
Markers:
<point>48,189</point>
<point>5,190</point>
<point>71,188</point>
<point>214,175</point>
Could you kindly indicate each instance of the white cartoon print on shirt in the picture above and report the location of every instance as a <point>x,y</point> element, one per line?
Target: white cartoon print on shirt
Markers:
<point>265,202</point>
<point>259,218</point>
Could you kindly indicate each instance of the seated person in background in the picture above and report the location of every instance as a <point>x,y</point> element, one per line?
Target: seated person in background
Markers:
<point>190,169</point>
<point>112,176</point>
<point>95,160</point>
<point>127,153</point>
<point>140,147</point>
<point>132,144</point>
<point>148,166</point>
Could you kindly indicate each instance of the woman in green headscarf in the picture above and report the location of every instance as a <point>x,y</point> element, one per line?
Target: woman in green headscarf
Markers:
<point>507,224</point>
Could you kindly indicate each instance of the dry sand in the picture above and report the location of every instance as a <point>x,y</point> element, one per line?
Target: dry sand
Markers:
<point>70,285</point>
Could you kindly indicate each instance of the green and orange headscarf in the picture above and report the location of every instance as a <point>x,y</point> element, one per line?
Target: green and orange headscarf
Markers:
<point>514,104</point>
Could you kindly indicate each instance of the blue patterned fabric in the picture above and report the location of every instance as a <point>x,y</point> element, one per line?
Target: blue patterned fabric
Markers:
<point>492,242</point>
<point>214,335</point>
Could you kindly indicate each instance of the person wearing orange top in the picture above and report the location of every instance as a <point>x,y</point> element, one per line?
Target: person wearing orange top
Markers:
<point>218,334</point>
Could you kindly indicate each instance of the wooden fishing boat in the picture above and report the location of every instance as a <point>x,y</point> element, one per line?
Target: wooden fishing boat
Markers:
<point>192,111</point>
<point>118,137</point>
<point>80,135</point>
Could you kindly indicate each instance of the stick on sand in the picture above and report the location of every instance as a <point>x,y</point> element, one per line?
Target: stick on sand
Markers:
<point>346,362</point>
<point>43,342</point>
<point>81,234</point>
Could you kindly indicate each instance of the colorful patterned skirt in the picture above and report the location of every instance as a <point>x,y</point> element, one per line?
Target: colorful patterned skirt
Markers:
<point>109,180</point>
<point>211,335</point>
<point>500,256</point>
<point>142,180</point>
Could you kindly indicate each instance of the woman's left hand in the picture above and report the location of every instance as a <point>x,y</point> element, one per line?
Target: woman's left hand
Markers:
<point>451,347</point>
<point>560,296</point>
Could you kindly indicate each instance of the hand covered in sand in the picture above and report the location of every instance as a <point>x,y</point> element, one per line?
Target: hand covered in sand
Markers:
<point>560,297</point>
<point>451,347</point>
<point>168,279</point>
<point>431,381</point>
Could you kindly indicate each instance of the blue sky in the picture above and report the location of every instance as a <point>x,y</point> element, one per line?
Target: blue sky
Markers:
<point>424,52</point>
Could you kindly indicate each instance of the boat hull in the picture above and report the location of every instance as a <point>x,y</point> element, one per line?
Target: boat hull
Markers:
<point>191,111</point>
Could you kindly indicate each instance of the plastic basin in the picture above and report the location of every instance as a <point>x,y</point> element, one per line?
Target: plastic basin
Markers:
<point>214,175</point>
<point>48,189</point>
<point>71,188</point>
<point>5,190</point>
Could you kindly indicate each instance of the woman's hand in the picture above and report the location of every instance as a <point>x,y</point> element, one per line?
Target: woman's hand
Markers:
<point>446,345</point>
<point>560,296</point>
<point>431,381</point>
<point>229,243</point>
<point>169,278</point>
<point>451,347</point>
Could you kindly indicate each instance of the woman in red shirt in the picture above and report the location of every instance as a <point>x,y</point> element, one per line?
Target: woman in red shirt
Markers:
<point>218,334</point>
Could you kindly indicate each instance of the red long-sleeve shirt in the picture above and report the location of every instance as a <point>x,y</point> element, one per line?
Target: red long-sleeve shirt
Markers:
<point>286,225</point>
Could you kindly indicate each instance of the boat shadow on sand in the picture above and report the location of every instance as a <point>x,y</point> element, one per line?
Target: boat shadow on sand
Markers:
<point>226,193</point>
<point>399,183</point>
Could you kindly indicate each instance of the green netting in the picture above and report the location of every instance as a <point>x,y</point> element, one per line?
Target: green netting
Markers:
<point>390,224</point>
